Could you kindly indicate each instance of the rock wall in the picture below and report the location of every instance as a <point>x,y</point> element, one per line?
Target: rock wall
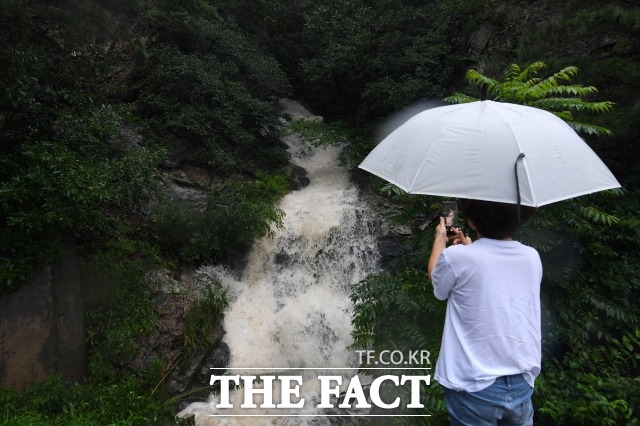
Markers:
<point>495,43</point>
<point>42,328</point>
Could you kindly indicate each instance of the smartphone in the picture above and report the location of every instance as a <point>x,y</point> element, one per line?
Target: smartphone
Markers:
<point>449,210</point>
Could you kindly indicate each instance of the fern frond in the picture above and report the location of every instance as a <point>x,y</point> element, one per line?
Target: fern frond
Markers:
<point>600,107</point>
<point>460,98</point>
<point>566,73</point>
<point>550,84</point>
<point>514,73</point>
<point>511,91</point>
<point>575,90</point>
<point>558,104</point>
<point>392,190</point>
<point>574,104</point>
<point>594,214</point>
<point>542,88</point>
<point>590,129</point>
<point>479,80</point>
<point>611,310</point>
<point>547,88</point>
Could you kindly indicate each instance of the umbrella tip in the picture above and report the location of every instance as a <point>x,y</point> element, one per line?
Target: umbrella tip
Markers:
<point>483,92</point>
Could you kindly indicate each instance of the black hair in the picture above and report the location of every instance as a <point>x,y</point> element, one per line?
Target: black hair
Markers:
<point>495,220</point>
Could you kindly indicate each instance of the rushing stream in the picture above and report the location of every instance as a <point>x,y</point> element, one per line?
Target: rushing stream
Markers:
<point>291,310</point>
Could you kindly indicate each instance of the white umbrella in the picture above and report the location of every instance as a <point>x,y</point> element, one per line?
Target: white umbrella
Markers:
<point>490,151</point>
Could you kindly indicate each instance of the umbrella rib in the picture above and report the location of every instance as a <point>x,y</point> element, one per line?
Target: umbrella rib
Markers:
<point>426,154</point>
<point>424,157</point>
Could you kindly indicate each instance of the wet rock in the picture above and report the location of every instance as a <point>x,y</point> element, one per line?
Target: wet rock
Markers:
<point>190,369</point>
<point>182,379</point>
<point>130,136</point>
<point>216,363</point>
<point>166,340</point>
<point>392,253</point>
<point>183,186</point>
<point>297,176</point>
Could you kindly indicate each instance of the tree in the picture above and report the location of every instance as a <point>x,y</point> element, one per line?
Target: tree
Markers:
<point>64,170</point>
<point>209,96</point>
<point>367,58</point>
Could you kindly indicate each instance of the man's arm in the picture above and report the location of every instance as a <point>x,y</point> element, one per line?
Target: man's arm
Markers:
<point>439,244</point>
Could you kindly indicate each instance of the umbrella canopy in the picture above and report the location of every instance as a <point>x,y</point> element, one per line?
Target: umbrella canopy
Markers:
<point>490,151</point>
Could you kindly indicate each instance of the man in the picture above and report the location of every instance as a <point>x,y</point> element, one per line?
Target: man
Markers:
<point>491,345</point>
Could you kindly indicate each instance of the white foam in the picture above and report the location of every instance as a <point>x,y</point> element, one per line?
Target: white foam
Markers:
<point>292,306</point>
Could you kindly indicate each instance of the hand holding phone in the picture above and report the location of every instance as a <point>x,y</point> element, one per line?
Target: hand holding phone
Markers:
<point>449,211</point>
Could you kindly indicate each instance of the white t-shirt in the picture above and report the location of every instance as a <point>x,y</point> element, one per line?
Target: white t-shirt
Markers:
<point>492,324</point>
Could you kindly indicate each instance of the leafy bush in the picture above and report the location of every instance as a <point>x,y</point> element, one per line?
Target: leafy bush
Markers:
<point>63,172</point>
<point>56,403</point>
<point>235,213</point>
<point>406,60</point>
<point>206,313</point>
<point>594,385</point>
<point>401,313</point>
<point>206,84</point>
<point>118,300</point>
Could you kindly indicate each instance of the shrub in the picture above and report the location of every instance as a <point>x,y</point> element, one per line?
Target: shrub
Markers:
<point>236,212</point>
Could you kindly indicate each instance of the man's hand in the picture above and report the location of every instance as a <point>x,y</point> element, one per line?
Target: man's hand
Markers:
<point>441,231</point>
<point>458,236</point>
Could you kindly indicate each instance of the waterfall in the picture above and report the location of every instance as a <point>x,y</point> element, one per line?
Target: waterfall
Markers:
<point>292,309</point>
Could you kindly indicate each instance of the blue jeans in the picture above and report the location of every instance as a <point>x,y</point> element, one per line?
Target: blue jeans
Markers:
<point>506,402</point>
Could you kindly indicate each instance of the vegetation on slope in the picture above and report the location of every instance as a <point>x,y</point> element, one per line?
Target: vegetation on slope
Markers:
<point>196,82</point>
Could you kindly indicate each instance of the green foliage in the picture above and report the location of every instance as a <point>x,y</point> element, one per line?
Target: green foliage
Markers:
<point>120,307</point>
<point>56,403</point>
<point>235,213</point>
<point>523,86</point>
<point>589,277</point>
<point>201,320</point>
<point>196,81</point>
<point>602,40</point>
<point>190,78</point>
<point>396,312</point>
<point>63,171</point>
<point>317,133</point>
<point>589,304</point>
<point>207,85</point>
<point>355,142</point>
<point>274,26</point>
<point>406,60</point>
<point>401,313</point>
<point>594,385</point>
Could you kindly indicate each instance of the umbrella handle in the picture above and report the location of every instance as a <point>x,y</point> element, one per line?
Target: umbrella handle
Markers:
<point>515,169</point>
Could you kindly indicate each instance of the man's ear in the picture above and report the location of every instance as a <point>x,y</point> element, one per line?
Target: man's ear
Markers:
<point>472,225</point>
